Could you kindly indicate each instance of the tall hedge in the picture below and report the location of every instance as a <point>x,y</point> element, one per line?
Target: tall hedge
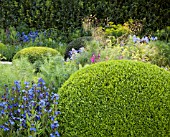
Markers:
<point>68,14</point>
<point>116,99</point>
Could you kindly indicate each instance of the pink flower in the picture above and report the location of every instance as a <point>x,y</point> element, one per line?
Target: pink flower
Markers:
<point>99,56</point>
<point>92,58</point>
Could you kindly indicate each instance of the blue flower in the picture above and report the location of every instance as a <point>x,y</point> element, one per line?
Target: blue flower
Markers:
<point>18,110</point>
<point>33,129</point>
<point>40,80</point>
<point>25,38</point>
<point>24,98</point>
<point>10,106</point>
<point>26,83</point>
<point>42,103</point>
<point>11,122</point>
<point>54,125</point>
<point>57,112</point>
<point>56,96</point>
<point>22,105</point>
<point>30,91</point>
<point>6,129</point>
<point>41,95</point>
<point>15,104</point>
<point>44,87</point>
<point>37,117</point>
<point>16,82</point>
<point>52,135</point>
<point>52,118</point>
<point>57,134</point>
<point>2,112</point>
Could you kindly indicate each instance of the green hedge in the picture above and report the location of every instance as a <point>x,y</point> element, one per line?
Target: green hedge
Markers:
<point>116,98</point>
<point>53,13</point>
<point>35,53</point>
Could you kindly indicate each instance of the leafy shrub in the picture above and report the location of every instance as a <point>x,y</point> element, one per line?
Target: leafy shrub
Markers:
<point>11,51</point>
<point>116,30</point>
<point>92,48</point>
<point>21,69</point>
<point>163,59</point>
<point>116,98</point>
<point>31,111</point>
<point>35,53</point>
<point>155,52</point>
<point>55,71</point>
<point>163,34</point>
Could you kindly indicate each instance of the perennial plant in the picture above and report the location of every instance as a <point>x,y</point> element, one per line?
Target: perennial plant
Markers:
<point>31,111</point>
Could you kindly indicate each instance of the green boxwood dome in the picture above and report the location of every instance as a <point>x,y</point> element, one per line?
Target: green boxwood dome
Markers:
<point>35,53</point>
<point>116,98</point>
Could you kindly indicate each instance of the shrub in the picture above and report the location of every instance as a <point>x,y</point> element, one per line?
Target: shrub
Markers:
<point>55,71</point>
<point>116,98</point>
<point>92,48</point>
<point>163,59</point>
<point>116,30</point>
<point>155,52</point>
<point>35,53</point>
<point>21,69</point>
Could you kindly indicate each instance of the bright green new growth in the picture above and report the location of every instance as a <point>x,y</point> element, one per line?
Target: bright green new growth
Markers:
<point>3,48</point>
<point>116,98</point>
<point>35,53</point>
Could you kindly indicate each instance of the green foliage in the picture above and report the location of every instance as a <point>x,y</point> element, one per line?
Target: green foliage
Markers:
<point>21,69</point>
<point>55,71</point>
<point>35,53</point>
<point>92,47</point>
<point>77,44</point>
<point>11,51</point>
<point>163,48</point>
<point>116,30</point>
<point>156,52</point>
<point>9,36</point>
<point>44,13</point>
<point>116,98</point>
<point>3,48</point>
<point>2,57</point>
<point>163,34</point>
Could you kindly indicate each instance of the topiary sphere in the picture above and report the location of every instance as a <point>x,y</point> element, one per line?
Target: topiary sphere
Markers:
<point>116,99</point>
<point>35,53</point>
